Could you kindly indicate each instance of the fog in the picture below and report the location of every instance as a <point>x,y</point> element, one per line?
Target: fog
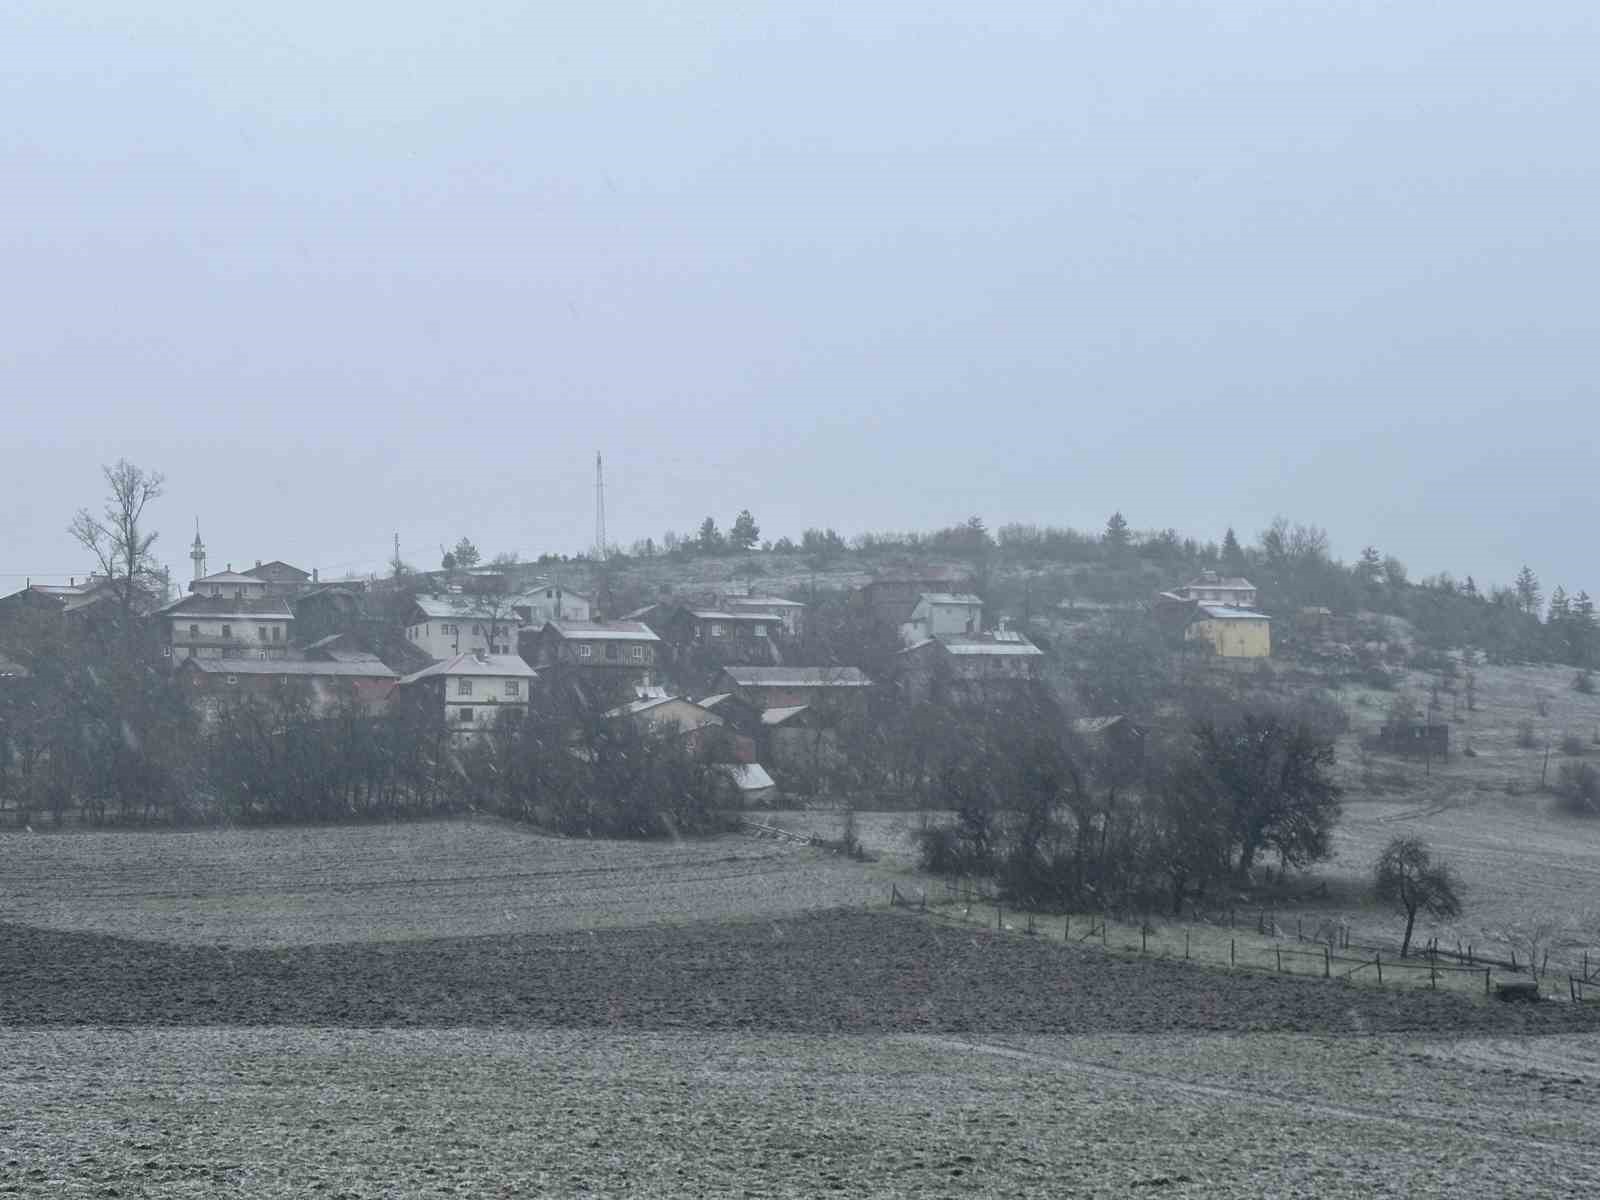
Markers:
<point>342,272</point>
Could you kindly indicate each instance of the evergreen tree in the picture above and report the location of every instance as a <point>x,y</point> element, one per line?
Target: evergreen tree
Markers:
<point>745,532</point>
<point>1232,553</point>
<point>710,539</point>
<point>466,554</point>
<point>1117,538</point>
<point>1529,598</point>
<point>1469,589</point>
<point>1370,569</point>
<point>1583,631</point>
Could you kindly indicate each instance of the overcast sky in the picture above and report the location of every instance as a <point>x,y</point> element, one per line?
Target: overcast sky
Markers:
<point>346,270</point>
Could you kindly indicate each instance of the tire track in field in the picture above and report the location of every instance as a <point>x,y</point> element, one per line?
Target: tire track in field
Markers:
<point>1300,1106</point>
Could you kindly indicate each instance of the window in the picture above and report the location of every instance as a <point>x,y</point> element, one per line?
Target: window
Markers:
<point>464,714</point>
<point>612,651</point>
<point>166,652</point>
<point>759,630</point>
<point>476,630</point>
<point>513,687</point>
<point>261,654</point>
<point>194,631</point>
<point>261,632</point>
<point>585,650</point>
<point>636,653</point>
<point>463,687</point>
<point>716,630</point>
<point>216,589</point>
<point>227,632</point>
<point>277,632</point>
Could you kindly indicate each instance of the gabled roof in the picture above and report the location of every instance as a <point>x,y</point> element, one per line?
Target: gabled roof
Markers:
<point>509,666</point>
<point>797,676</point>
<point>451,608</point>
<point>1231,582</point>
<point>963,599</point>
<point>714,700</point>
<point>717,614</point>
<point>278,562</point>
<point>773,602</point>
<point>269,666</point>
<point>601,631</point>
<point>777,716</point>
<point>197,605</point>
<point>228,577</point>
<point>635,707</point>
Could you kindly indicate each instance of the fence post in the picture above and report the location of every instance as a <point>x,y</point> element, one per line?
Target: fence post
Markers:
<point>1297,936</point>
<point>1066,928</point>
<point>1486,981</point>
<point>1104,921</point>
<point>1144,937</point>
<point>1279,949</point>
<point>1433,976</point>
<point>1327,962</point>
<point>1377,958</point>
<point>1186,943</point>
<point>894,896</point>
<point>1230,952</point>
<point>999,916</point>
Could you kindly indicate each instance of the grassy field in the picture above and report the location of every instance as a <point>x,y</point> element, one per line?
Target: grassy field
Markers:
<point>266,887</point>
<point>464,1008</point>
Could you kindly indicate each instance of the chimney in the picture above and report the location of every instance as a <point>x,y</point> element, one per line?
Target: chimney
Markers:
<point>258,562</point>
<point>313,575</point>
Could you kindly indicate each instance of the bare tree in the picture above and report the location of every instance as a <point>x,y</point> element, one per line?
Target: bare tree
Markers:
<point>117,537</point>
<point>1410,879</point>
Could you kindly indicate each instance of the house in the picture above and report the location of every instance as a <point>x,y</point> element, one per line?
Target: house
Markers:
<point>549,601</point>
<point>696,724</point>
<point>724,634</point>
<point>625,650</point>
<point>339,647</point>
<point>971,665</point>
<point>785,687</point>
<point>1231,632</point>
<point>471,692</point>
<point>445,626</point>
<point>1231,591</point>
<point>891,598</point>
<point>754,785</point>
<point>281,578</point>
<point>213,682</point>
<point>227,616</point>
<point>801,737</point>
<point>326,608</point>
<point>791,614</point>
<point>941,613</point>
<point>76,599</point>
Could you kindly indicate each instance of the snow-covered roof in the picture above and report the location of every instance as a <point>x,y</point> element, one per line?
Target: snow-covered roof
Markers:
<point>777,716</point>
<point>997,644</point>
<point>268,666</point>
<point>464,608</point>
<point>961,599</point>
<point>1224,612</point>
<point>510,666</point>
<point>600,631</point>
<point>749,777</point>
<point>797,676</point>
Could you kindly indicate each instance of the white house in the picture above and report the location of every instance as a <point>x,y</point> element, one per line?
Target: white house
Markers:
<point>471,691</point>
<point>939,614</point>
<point>228,615</point>
<point>1212,588</point>
<point>446,626</point>
<point>549,601</point>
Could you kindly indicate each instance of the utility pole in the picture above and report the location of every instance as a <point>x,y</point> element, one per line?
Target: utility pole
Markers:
<point>599,508</point>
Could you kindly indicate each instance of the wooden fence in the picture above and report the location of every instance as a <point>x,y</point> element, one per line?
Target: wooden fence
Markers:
<point>1337,955</point>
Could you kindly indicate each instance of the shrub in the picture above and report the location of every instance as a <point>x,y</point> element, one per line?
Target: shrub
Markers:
<point>1526,738</point>
<point>1572,745</point>
<point>1578,789</point>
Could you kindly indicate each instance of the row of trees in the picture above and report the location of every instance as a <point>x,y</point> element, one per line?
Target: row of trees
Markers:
<point>1066,821</point>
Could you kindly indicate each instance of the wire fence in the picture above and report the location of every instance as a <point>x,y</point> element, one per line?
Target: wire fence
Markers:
<point>1257,940</point>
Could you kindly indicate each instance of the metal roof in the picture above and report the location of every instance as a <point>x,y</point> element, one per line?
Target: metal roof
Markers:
<point>713,614</point>
<point>964,599</point>
<point>777,716</point>
<point>601,631</point>
<point>455,607</point>
<point>229,577</point>
<point>1233,583</point>
<point>268,666</point>
<point>510,666</point>
<point>196,605</point>
<point>797,676</point>
<point>1226,612</point>
<point>989,644</point>
<point>761,602</point>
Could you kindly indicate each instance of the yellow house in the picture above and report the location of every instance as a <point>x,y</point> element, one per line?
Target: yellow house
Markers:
<point>1232,632</point>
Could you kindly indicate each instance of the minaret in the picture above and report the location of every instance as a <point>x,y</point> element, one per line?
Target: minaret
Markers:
<point>197,552</point>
